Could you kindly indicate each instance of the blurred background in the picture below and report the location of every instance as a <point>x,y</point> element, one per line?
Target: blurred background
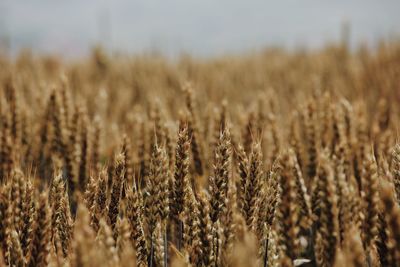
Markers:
<point>201,28</point>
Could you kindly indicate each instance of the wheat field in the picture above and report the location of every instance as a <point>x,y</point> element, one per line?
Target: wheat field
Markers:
<point>274,158</point>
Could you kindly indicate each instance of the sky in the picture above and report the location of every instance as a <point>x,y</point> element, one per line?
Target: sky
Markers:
<point>201,28</point>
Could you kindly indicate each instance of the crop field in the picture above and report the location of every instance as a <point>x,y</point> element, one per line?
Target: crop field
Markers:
<point>272,158</point>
